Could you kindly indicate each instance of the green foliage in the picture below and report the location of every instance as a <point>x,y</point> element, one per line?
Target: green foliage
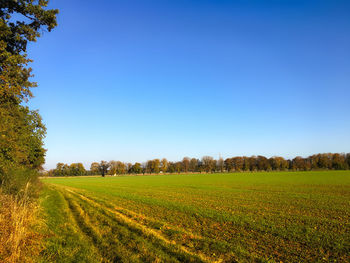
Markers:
<point>103,168</point>
<point>21,182</point>
<point>75,169</point>
<point>21,137</point>
<point>324,161</point>
<point>95,168</point>
<point>136,168</point>
<point>117,167</point>
<point>21,129</point>
<point>20,22</point>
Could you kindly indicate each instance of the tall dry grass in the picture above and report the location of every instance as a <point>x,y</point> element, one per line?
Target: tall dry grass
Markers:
<point>19,242</point>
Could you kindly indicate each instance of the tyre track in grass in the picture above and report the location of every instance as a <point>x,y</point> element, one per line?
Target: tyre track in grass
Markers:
<point>189,241</point>
<point>109,245</point>
<point>151,238</point>
<point>65,241</point>
<point>157,241</point>
<point>83,222</point>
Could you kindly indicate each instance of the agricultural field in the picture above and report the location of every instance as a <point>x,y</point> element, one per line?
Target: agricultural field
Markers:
<point>239,217</point>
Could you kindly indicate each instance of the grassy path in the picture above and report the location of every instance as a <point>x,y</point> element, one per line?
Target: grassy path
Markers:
<point>65,241</point>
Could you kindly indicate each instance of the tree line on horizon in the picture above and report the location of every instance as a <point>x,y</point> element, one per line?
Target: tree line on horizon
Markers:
<point>207,164</point>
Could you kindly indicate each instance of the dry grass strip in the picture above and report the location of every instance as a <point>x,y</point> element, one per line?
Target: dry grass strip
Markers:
<point>18,241</point>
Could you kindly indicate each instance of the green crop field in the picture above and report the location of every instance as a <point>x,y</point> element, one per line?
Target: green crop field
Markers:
<point>240,217</point>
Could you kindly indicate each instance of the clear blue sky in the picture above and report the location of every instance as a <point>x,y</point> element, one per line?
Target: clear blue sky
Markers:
<point>137,80</point>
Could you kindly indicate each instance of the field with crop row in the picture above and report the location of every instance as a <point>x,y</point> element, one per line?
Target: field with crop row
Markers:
<point>243,217</point>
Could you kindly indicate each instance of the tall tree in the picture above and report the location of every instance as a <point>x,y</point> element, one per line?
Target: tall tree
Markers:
<point>21,130</point>
<point>21,21</point>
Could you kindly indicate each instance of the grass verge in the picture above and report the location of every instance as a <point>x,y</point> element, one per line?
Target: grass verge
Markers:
<point>19,239</point>
<point>65,241</point>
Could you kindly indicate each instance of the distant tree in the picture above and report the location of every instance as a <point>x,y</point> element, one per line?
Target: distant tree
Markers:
<point>156,166</point>
<point>325,161</point>
<point>76,169</point>
<point>128,167</point>
<point>246,163</point>
<point>338,161</point>
<point>186,164</point>
<point>308,164</point>
<point>178,166</point>
<point>153,166</point>
<point>164,165</point>
<point>136,168</point>
<point>50,173</point>
<point>194,165</point>
<point>201,168</point>
<point>95,168</point>
<point>315,161</point>
<point>149,166</point>
<point>144,167</point>
<point>283,163</point>
<point>103,168</point>
<point>171,167</point>
<point>213,166</point>
<point>113,167</point>
<point>298,163</point>
<point>263,163</point>
<point>253,164</point>
<point>59,170</point>
<point>207,162</point>
<point>274,163</point>
<point>221,165</point>
<point>66,170</point>
<point>347,159</point>
<point>229,164</point>
<point>117,167</point>
<point>278,163</point>
<point>238,163</point>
